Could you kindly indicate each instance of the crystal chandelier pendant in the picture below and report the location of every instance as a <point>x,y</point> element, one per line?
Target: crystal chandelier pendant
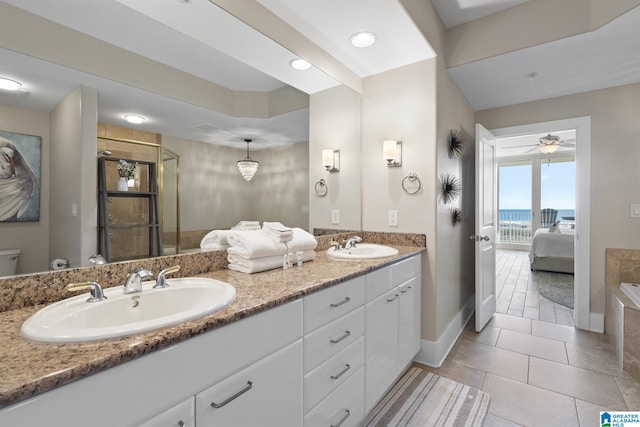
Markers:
<point>248,167</point>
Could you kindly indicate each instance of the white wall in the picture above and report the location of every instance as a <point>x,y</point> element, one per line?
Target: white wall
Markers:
<point>615,164</point>
<point>32,238</point>
<point>335,123</point>
<point>73,177</point>
<point>213,194</point>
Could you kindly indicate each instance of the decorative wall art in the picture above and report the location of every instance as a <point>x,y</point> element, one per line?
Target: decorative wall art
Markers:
<point>456,216</point>
<point>455,143</point>
<point>20,157</point>
<point>449,188</point>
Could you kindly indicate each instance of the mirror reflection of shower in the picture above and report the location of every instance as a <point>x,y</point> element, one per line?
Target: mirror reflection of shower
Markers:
<point>170,201</point>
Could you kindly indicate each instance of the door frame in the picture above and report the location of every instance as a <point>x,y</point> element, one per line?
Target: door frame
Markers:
<point>582,278</point>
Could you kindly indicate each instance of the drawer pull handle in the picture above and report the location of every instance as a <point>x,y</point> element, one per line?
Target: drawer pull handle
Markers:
<point>341,373</point>
<point>235,396</point>
<point>338,304</point>
<point>404,291</point>
<point>392,299</point>
<point>337,340</point>
<point>343,419</point>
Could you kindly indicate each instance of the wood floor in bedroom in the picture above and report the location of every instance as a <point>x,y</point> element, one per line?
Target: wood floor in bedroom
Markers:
<point>517,289</point>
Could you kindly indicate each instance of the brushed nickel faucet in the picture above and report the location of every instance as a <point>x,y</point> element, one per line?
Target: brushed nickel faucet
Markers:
<point>135,278</point>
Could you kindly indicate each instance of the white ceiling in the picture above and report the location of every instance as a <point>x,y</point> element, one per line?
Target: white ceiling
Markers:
<point>193,36</point>
<point>456,12</point>
<point>331,23</point>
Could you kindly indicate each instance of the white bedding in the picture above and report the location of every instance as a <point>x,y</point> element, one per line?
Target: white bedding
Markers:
<point>557,245</point>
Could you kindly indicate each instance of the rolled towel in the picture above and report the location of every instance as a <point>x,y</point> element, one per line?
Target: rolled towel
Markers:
<point>277,231</point>
<point>215,240</point>
<point>256,265</point>
<point>256,244</point>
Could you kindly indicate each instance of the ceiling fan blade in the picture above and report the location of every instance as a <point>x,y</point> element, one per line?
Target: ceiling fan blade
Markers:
<point>519,146</point>
<point>568,144</point>
<point>531,150</point>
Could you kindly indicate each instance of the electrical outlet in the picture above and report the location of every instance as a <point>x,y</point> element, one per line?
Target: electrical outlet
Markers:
<point>335,216</point>
<point>393,218</point>
<point>634,210</point>
<point>74,210</point>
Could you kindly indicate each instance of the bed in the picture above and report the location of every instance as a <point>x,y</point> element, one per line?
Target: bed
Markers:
<point>552,251</point>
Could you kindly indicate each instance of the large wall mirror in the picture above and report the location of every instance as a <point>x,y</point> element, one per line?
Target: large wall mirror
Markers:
<point>203,124</point>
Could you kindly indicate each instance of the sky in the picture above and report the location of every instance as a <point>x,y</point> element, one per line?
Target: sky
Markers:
<point>557,190</point>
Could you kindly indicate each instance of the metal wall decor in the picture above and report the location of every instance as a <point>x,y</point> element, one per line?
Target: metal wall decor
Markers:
<point>455,143</point>
<point>449,188</point>
<point>456,216</point>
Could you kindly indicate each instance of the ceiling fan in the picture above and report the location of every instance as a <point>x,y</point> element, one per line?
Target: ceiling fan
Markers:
<point>548,144</point>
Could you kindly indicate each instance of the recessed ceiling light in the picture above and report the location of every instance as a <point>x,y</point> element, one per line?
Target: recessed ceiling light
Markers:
<point>132,118</point>
<point>363,39</point>
<point>8,84</point>
<point>299,64</point>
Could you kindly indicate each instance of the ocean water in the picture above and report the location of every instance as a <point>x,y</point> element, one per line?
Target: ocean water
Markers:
<point>525,214</point>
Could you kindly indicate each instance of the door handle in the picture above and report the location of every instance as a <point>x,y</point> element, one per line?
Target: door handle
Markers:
<point>478,237</point>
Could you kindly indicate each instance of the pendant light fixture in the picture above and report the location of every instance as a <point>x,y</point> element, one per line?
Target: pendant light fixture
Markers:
<point>247,167</point>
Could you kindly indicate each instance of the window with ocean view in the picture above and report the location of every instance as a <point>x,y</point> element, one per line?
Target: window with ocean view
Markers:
<point>514,202</point>
<point>525,187</point>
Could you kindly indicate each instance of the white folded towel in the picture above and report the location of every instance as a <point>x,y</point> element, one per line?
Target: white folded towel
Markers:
<point>215,240</point>
<point>277,231</point>
<point>247,225</point>
<point>256,265</point>
<point>256,244</point>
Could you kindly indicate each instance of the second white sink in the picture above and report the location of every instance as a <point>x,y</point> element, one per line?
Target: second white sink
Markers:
<point>76,320</point>
<point>363,251</point>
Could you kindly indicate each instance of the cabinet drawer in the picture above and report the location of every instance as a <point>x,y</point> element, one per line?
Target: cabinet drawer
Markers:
<point>267,393</point>
<point>182,414</point>
<point>329,304</point>
<point>333,372</point>
<point>405,270</point>
<point>344,407</point>
<point>330,339</point>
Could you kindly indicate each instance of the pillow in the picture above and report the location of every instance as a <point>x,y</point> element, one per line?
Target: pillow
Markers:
<point>554,227</point>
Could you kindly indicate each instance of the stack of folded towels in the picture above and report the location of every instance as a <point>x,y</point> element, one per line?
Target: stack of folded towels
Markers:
<point>216,240</point>
<point>260,250</point>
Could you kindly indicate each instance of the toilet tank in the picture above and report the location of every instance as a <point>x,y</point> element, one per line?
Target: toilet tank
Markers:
<point>9,262</point>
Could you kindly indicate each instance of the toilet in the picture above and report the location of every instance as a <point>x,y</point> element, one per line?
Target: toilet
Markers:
<point>9,262</point>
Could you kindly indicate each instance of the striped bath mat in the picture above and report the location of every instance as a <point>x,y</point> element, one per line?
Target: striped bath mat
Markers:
<point>421,398</point>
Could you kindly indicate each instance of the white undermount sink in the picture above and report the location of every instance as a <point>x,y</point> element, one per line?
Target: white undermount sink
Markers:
<point>76,320</point>
<point>363,251</point>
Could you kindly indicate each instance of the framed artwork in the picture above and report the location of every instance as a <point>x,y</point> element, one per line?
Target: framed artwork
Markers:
<point>20,163</point>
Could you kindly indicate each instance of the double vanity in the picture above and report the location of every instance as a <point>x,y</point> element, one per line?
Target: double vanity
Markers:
<point>313,345</point>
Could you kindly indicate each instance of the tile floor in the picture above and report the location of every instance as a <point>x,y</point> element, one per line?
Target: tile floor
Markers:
<point>517,289</point>
<point>540,374</point>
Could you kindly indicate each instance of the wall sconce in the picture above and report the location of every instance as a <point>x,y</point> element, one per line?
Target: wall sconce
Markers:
<point>392,152</point>
<point>331,160</point>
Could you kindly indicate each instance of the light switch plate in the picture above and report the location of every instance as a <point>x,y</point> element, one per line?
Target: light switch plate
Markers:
<point>335,216</point>
<point>393,218</point>
<point>634,210</point>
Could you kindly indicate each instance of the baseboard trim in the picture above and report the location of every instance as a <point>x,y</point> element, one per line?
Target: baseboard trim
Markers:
<point>433,353</point>
<point>596,322</point>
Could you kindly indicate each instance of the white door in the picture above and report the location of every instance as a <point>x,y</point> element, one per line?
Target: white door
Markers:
<point>485,219</point>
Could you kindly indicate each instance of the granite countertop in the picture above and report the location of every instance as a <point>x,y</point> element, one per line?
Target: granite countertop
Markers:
<point>28,368</point>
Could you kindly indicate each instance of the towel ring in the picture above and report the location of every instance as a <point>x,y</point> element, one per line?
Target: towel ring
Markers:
<point>412,177</point>
<point>321,188</point>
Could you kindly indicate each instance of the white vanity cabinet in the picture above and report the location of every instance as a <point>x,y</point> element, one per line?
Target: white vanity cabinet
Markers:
<point>181,415</point>
<point>334,355</point>
<point>267,393</point>
<point>392,325</point>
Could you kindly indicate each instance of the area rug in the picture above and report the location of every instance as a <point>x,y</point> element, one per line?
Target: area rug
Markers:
<point>562,293</point>
<point>422,398</point>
